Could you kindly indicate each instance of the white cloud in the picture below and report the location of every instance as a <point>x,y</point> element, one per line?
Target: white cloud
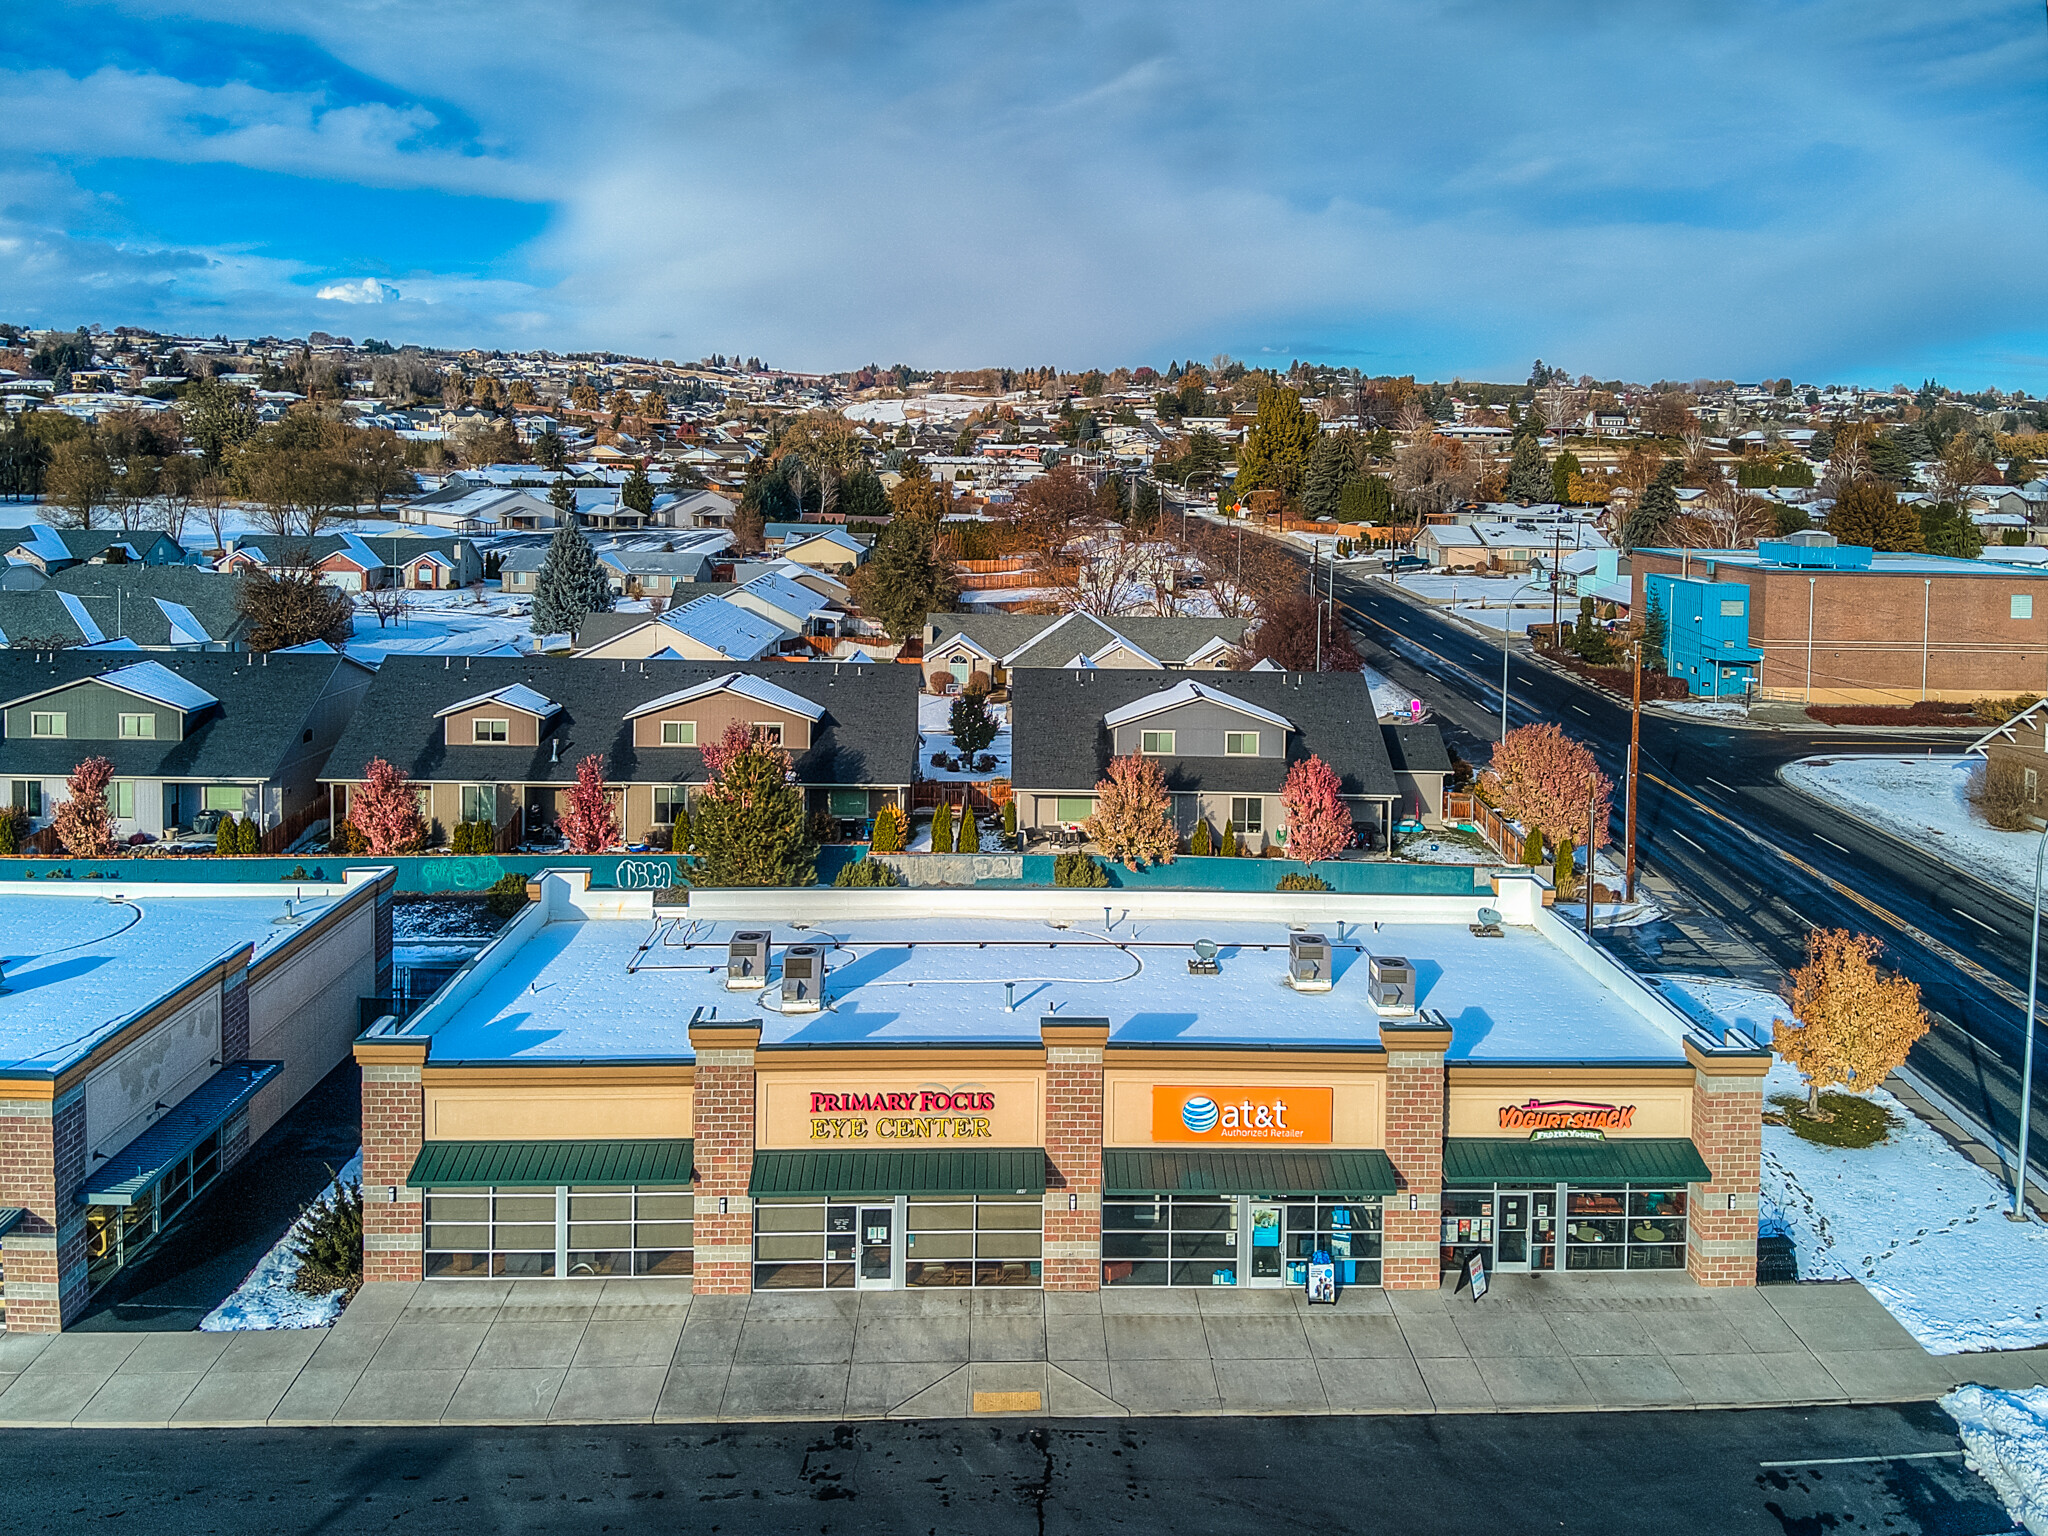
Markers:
<point>366,291</point>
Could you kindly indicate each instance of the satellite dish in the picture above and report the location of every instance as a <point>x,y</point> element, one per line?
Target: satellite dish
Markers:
<point>1205,949</point>
<point>1489,917</point>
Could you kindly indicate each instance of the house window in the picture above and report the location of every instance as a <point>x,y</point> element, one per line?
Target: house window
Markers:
<point>121,798</point>
<point>679,733</point>
<point>1071,808</point>
<point>223,797</point>
<point>769,731</point>
<point>2022,608</point>
<point>490,730</point>
<point>1241,743</point>
<point>1156,743</point>
<point>28,796</point>
<point>480,803</point>
<point>1731,608</point>
<point>2033,786</point>
<point>671,802</point>
<point>1248,813</point>
<point>138,727</point>
<point>54,724</point>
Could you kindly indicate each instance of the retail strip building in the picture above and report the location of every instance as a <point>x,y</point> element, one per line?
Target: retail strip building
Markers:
<point>775,1090</point>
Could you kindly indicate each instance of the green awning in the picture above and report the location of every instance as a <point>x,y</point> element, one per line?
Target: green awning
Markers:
<point>1637,1160</point>
<point>483,1164</point>
<point>962,1171</point>
<point>1368,1172</point>
<point>10,1218</point>
<point>135,1170</point>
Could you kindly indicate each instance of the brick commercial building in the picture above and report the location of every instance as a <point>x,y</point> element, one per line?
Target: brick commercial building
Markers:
<point>150,1033</point>
<point>798,1090</point>
<point>1837,624</point>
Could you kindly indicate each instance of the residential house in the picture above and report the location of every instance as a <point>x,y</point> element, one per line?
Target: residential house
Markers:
<point>468,508</point>
<point>519,569</point>
<point>653,572</point>
<point>1422,769</point>
<point>2021,742</point>
<point>49,550</point>
<point>500,740</point>
<point>1225,745</point>
<point>827,546</point>
<point>154,607</point>
<point>359,563</point>
<point>997,644</point>
<point>794,605</point>
<point>703,629</point>
<point>186,733</point>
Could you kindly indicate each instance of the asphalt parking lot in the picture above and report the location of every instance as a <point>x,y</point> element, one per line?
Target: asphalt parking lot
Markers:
<point>1772,1472</point>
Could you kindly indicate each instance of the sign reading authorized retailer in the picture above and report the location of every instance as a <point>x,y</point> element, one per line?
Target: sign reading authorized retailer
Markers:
<point>1223,1114</point>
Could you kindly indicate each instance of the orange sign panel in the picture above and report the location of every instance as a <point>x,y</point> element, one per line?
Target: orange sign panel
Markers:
<point>1218,1114</point>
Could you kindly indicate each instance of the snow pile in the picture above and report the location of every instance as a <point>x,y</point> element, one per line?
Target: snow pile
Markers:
<point>2005,1436</point>
<point>1925,801</point>
<point>1920,1225</point>
<point>1388,696</point>
<point>266,1300</point>
<point>1702,709</point>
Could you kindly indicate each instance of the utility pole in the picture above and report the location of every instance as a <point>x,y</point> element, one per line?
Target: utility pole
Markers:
<point>1592,849</point>
<point>1556,554</point>
<point>1635,737</point>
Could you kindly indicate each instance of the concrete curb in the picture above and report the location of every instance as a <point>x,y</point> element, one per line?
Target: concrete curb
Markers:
<point>1886,832</point>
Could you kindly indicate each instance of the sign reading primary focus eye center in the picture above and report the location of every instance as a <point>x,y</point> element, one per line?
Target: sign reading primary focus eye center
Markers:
<point>1226,1114</point>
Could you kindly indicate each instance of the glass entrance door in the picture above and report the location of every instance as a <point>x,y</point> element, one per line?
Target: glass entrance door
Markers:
<point>877,1247</point>
<point>1266,1255</point>
<point>1511,1234</point>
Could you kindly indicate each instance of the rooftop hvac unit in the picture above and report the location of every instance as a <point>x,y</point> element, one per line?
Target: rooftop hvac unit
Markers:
<point>1308,962</point>
<point>803,978</point>
<point>746,960</point>
<point>1393,985</point>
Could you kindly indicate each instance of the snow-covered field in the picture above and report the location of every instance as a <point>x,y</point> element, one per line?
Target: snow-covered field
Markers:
<point>266,1300</point>
<point>1924,800</point>
<point>935,734</point>
<point>1920,1225</point>
<point>2005,1438</point>
<point>445,624</point>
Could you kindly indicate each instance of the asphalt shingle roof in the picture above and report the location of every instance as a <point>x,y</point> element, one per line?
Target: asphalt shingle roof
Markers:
<point>868,734</point>
<point>256,728</point>
<point>124,593</point>
<point>1416,748</point>
<point>1169,639</point>
<point>1061,742</point>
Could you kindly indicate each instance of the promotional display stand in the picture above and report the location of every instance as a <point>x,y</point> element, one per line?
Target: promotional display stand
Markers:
<point>1322,1278</point>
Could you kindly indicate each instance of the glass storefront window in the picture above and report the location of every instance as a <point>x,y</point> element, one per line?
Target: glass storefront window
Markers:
<point>1194,1240</point>
<point>597,1233</point>
<point>973,1241</point>
<point>1622,1227</point>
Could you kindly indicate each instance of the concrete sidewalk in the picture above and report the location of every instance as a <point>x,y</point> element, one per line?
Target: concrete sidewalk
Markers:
<point>639,1351</point>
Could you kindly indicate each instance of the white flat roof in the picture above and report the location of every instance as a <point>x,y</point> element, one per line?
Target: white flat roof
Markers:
<point>80,965</point>
<point>596,988</point>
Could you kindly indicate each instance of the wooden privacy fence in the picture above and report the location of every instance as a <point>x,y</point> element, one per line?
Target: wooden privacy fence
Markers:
<point>1484,819</point>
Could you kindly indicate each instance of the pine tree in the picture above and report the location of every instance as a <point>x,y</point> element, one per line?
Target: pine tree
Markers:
<point>1202,845</point>
<point>1528,474</point>
<point>888,835</point>
<point>1368,499</point>
<point>248,840</point>
<point>969,840</point>
<point>637,494</point>
<point>562,497</point>
<point>750,827</point>
<point>942,828</point>
<point>1868,513</point>
<point>1945,530</point>
<point>571,584</point>
<point>1562,857</point>
<point>974,728</point>
<point>1329,471</point>
<point>1276,449</point>
<point>904,579</point>
<point>1532,846</point>
<point>1650,518</point>
<point>1229,848</point>
<point>1563,469</point>
<point>1010,823</point>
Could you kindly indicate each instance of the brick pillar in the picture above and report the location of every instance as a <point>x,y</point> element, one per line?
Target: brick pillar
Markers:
<point>1728,1128</point>
<point>234,1016</point>
<point>1073,1152</point>
<point>394,1113</point>
<point>42,1165</point>
<point>1415,1144</point>
<point>722,1121</point>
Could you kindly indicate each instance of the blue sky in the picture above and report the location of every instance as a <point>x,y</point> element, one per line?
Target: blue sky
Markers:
<point>1835,191</point>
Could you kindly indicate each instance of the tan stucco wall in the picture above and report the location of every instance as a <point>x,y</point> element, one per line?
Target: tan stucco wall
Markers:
<point>620,1109</point>
<point>302,1009</point>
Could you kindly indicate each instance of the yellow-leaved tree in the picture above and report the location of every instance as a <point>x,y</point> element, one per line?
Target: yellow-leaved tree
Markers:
<point>1854,1023</point>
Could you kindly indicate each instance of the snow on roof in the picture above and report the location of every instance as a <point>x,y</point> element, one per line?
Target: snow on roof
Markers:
<point>581,989</point>
<point>156,682</point>
<point>79,965</point>
<point>75,606</point>
<point>785,593</point>
<point>760,690</point>
<point>45,543</point>
<point>1190,692</point>
<point>185,628</point>
<point>727,628</point>
<point>512,696</point>
<point>309,648</point>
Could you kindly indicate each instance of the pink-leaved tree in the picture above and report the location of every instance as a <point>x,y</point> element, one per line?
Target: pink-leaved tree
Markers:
<point>385,808</point>
<point>1543,779</point>
<point>1318,826</point>
<point>590,825</point>
<point>1133,818</point>
<point>83,825</point>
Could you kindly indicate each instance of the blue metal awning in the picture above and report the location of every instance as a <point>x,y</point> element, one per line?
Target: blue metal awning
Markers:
<point>133,1171</point>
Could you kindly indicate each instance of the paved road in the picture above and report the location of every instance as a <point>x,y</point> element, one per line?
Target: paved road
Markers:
<point>1890,1469</point>
<point>1764,860</point>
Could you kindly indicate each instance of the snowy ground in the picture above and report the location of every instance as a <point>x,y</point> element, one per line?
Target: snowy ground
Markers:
<point>1389,697</point>
<point>2005,1436</point>
<point>1925,801</point>
<point>266,1300</point>
<point>445,624</point>
<point>935,734</point>
<point>1920,1225</point>
<point>1701,709</point>
<point>1447,847</point>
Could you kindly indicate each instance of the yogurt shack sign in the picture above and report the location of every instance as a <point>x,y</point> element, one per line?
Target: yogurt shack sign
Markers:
<point>1566,1119</point>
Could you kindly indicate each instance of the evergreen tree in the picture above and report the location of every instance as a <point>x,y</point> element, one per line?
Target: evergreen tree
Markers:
<point>637,494</point>
<point>973,726</point>
<point>549,450</point>
<point>1562,471</point>
<point>1229,848</point>
<point>562,497</point>
<point>904,579</point>
<point>1202,844</point>
<point>861,497</point>
<point>1650,518</point>
<point>1329,470</point>
<point>570,586</point>
<point>1947,530</point>
<point>1868,513</point>
<point>1528,474</point>
<point>942,828</point>
<point>1276,449</point>
<point>750,827</point>
<point>969,839</point>
<point>1368,499</point>
<point>1889,460</point>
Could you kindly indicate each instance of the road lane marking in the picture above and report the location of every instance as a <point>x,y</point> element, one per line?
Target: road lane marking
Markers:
<point>1833,844</point>
<point>1857,1461</point>
<point>1586,712</point>
<point>1718,784</point>
<point>1978,921</point>
<point>1684,839</point>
